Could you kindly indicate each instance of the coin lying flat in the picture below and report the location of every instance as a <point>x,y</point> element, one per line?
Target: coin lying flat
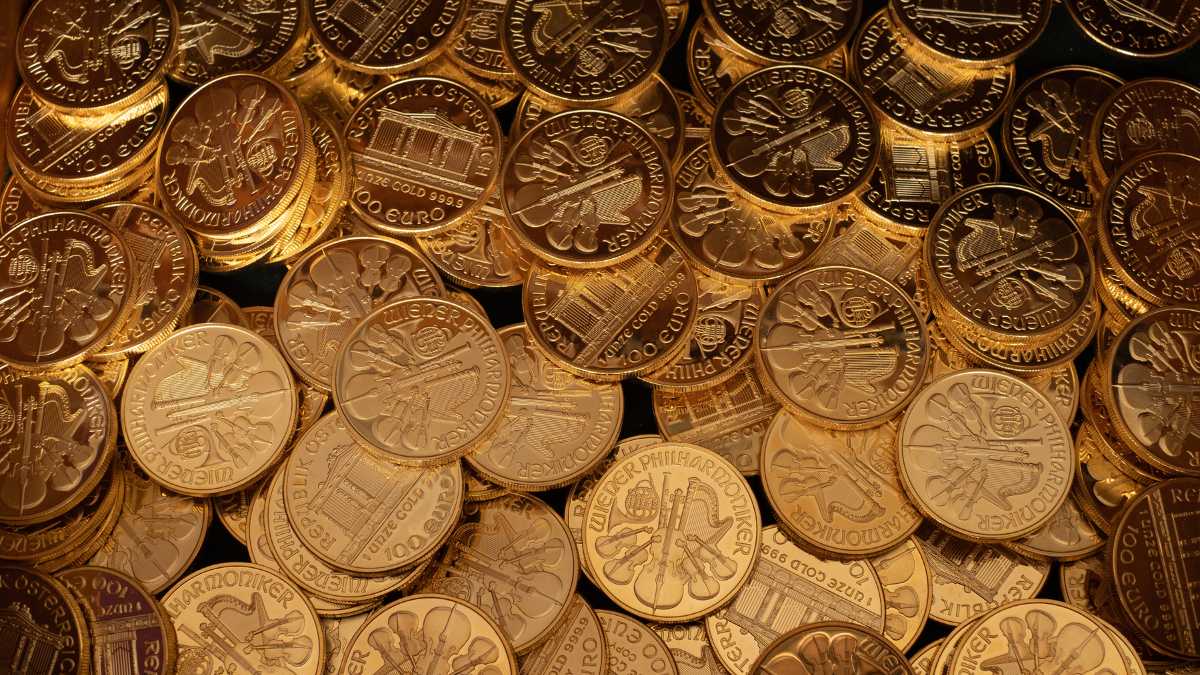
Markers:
<point>575,646</point>
<point>839,647</point>
<point>391,37</point>
<point>119,605</point>
<point>633,648</point>
<point>48,616</point>
<point>646,548</point>
<point>907,592</point>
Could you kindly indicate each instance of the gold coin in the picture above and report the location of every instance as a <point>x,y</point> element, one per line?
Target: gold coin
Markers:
<point>633,648</point>
<point>697,120</point>
<point>477,46</point>
<point>941,660</point>
<point>919,94</point>
<point>426,633</point>
<point>1127,30</point>
<point>615,322</point>
<point>907,592</point>
<point>973,37</point>
<point>1060,386</point>
<point>1086,587</point>
<point>514,558</point>
<point>729,418</point>
<point>312,400</point>
<point>842,347</point>
<point>1069,535</point>
<point>97,57</point>
<point>689,646</point>
<point>118,605</point>
<point>216,39</point>
<point>16,204</point>
<point>712,64</point>
<point>331,187</point>
<point>479,489</point>
<point>783,32</point>
<point>767,128</point>
<point>158,533</point>
<point>836,491</point>
<point>48,631</point>
<point>970,578</point>
<point>386,37</point>
<point>556,428</point>
<point>791,588</point>
<point>396,516</point>
<point>1097,411</point>
<point>858,243</point>
<point>1101,488</point>
<point>304,64</point>
<point>964,427</point>
<point>235,617</point>
<point>922,661</point>
<point>1140,117</point>
<point>727,237</point>
<point>837,646</point>
<point>70,278</point>
<point>648,555</point>
<point>497,93</point>
<point>213,306</point>
<point>575,646</point>
<point>392,373</point>
<point>55,538</point>
<point>233,510</point>
<point>481,251</point>
<point>338,631</point>
<point>209,410</point>
<point>333,287</point>
<point>409,193</point>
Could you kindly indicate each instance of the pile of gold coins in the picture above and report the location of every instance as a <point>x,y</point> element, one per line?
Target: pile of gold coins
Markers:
<point>854,277</point>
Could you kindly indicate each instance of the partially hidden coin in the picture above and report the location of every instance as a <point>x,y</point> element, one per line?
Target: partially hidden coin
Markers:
<point>576,645</point>
<point>689,646</point>
<point>838,646</point>
<point>219,38</point>
<point>633,648</point>
<point>338,631</point>
<point>47,617</point>
<point>970,36</point>
<point>783,32</point>
<point>124,612</point>
<point>712,64</point>
<point>1138,31</point>
<point>1069,535</point>
<point>1142,116</point>
<point>387,37</point>
<point>481,251</point>
<point>213,306</point>
<point>907,592</point>
<point>922,661</point>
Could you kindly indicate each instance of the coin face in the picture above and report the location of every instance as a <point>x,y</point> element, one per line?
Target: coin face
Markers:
<point>907,592</point>
<point>1069,535</point>
<point>614,322</point>
<point>788,589</point>
<point>1033,359</point>
<point>985,455</point>
<point>69,278</point>
<point>721,340</point>
<point>217,38</point>
<point>838,646</point>
<point>49,619</point>
<point>584,53</point>
<point>841,347</point>
<point>633,648</point>
<point>16,204</point>
<point>158,533</point>
<point>557,426</point>
<point>54,538</point>
<point>924,95</point>
<point>837,491</point>
<point>480,251</point>
<point>396,517</point>
<point>792,138</point>
<point>1140,117</point>
<point>1101,488</point>
<point>713,64</point>
<point>1144,227</point>
<point>422,380</point>
<point>477,47</point>
<point>858,243</point>
<point>730,238</point>
<point>332,288</point>
<point>587,188</point>
<point>209,410</point>
<point>783,32</point>
<point>1133,30</point>
<point>423,633</point>
<point>331,185</point>
<point>970,578</point>
<point>575,646</point>
<point>120,605</point>
<point>213,306</point>
<point>236,616</point>
<point>689,646</point>
<point>98,56</point>
<point>974,36</point>
<point>386,37</point>
<point>242,119</point>
<point>497,93</point>
<point>648,554</point>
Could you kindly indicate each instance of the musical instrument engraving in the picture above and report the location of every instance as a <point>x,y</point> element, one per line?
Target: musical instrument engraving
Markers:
<point>832,647</point>
<point>1143,116</point>
<point>784,31</point>
<point>907,592</point>
<point>1140,28</point>
<point>217,37</point>
<point>974,32</point>
<point>481,251</point>
<point>44,628</point>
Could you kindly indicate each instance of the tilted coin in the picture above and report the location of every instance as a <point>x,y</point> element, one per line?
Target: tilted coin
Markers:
<point>1069,535</point>
<point>239,616</point>
<point>477,46</point>
<point>689,646</point>
<point>793,138</point>
<point>696,121</point>
<point>497,93</point>
<point>922,661</point>
<point>514,559</point>
<point>1098,410</point>
<point>102,56</point>
<point>584,54</point>
<point>426,153</point>
<point>1060,386</point>
<point>394,517</point>
<point>217,38</point>
<point>615,322</point>
<point>233,510</point>
<point>730,238</point>
<point>557,427</point>
<point>973,36</point>
<point>331,186</point>
<point>1030,359</point>
<point>333,287</point>
<point>790,588</point>
<point>338,631</point>
<point>788,31</point>
<point>422,380</point>
<point>922,95</point>
<point>130,628</point>
<point>165,275</point>
<point>46,628</point>
<point>479,489</point>
<point>1101,488</point>
<point>311,400</point>
<point>54,538</point>
<point>67,278</point>
<point>970,578</point>
<point>426,633</point>
<point>838,647</point>
<point>575,646</point>
<point>907,592</point>
<point>729,418</point>
<point>837,492</point>
<point>158,533</point>
<point>587,188</point>
<point>1045,131</point>
<point>57,440</point>
<point>16,204</point>
<point>648,548</point>
<point>481,251</point>
<point>633,648</point>
<point>1146,230</point>
<point>858,243</point>
<point>213,306</point>
<point>386,37</point>
<point>842,347</point>
<point>1142,116</point>
<point>985,455</point>
<point>209,410</point>
<point>713,65</point>
<point>950,644</point>
<point>1138,30</point>
<point>1152,572</point>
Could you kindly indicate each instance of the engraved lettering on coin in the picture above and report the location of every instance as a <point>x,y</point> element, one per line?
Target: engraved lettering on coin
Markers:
<point>1068,535</point>
<point>45,629</point>
<point>783,31</point>
<point>713,65</point>
<point>385,36</point>
<point>130,630</point>
<point>213,306</point>
<point>1143,28</point>
<point>481,251</point>
<point>907,592</point>
<point>576,646</point>
<point>633,648</point>
<point>858,243</point>
<point>477,48</point>
<point>838,647</point>
<point>217,37</point>
<point>689,646</point>
<point>60,536</point>
<point>1140,117</point>
<point>974,32</point>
